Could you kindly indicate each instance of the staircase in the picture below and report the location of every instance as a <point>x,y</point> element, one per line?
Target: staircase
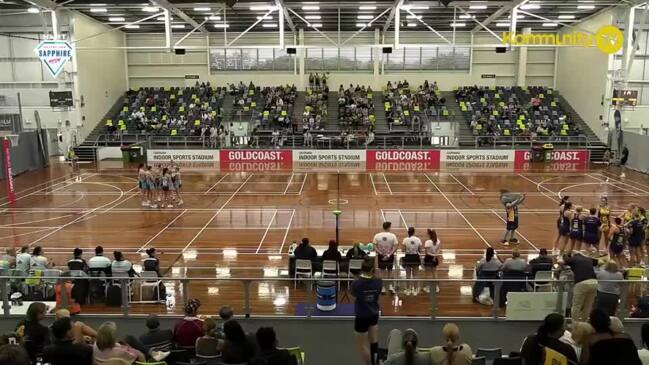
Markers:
<point>331,123</point>
<point>596,147</point>
<point>465,136</point>
<point>86,151</point>
<point>381,125</point>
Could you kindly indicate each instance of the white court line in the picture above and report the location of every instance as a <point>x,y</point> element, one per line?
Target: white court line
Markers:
<point>600,181</point>
<point>289,183</point>
<point>26,233</point>
<point>14,225</point>
<point>215,214</point>
<point>383,215</point>
<point>75,182</point>
<point>51,182</point>
<point>222,228</point>
<point>405,224</point>
<point>458,211</point>
<point>517,231</point>
<point>540,185</point>
<point>266,232</point>
<point>39,190</point>
<point>464,186</point>
<point>611,176</point>
<point>623,183</point>
<point>387,183</point>
<point>373,186</point>
<point>288,228</point>
<point>213,186</point>
<point>306,174</point>
<point>162,230</point>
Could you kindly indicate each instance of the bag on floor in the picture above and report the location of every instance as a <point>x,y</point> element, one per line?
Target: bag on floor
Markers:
<point>485,297</point>
<point>114,296</point>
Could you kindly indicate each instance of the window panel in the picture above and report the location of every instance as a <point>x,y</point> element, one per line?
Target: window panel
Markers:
<point>217,59</point>
<point>346,60</point>
<point>462,58</point>
<point>283,61</point>
<point>265,60</point>
<point>429,58</point>
<point>313,60</point>
<point>249,59</point>
<point>364,60</point>
<point>445,58</point>
<point>233,59</point>
<point>330,56</point>
<point>412,60</point>
<point>395,59</point>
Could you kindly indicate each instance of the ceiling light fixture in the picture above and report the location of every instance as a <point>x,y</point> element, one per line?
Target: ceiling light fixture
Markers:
<point>311,7</point>
<point>213,17</point>
<point>202,9</point>
<point>116,19</point>
<point>477,7</point>
<point>361,25</point>
<point>269,25</point>
<point>531,7</point>
<point>178,26</point>
<point>367,7</point>
<point>132,26</point>
<point>503,25</point>
<point>33,10</point>
<point>467,16</point>
<point>316,25</point>
<point>262,8</point>
<point>412,25</point>
<point>566,17</point>
<point>458,25</point>
<point>267,17</point>
<point>221,26</point>
<point>550,24</point>
<point>586,7</point>
<point>313,17</point>
<point>98,10</point>
<point>365,17</point>
<point>149,9</point>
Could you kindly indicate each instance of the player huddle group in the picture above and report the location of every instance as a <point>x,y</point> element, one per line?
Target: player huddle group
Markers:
<point>160,185</point>
<point>597,230</point>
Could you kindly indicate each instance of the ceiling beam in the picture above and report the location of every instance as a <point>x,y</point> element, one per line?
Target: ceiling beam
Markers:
<point>45,4</point>
<point>287,17</point>
<point>179,13</point>
<point>493,17</point>
<point>395,7</point>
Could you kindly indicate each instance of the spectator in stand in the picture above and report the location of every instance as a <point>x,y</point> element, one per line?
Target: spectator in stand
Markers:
<point>151,262</point>
<point>608,292</point>
<point>35,335</point>
<point>332,253</point>
<point>155,338</point>
<point>235,348</point>
<point>67,349</point>
<point>81,331</point>
<point>77,262</point>
<point>543,262</point>
<point>367,291</point>
<point>99,261</point>
<point>107,348</point>
<point>269,354</point>
<point>121,265</point>
<point>487,268</point>
<point>644,352</point>
<point>454,352</point>
<point>403,350</point>
<point>208,344</point>
<point>578,337</point>
<point>356,252</point>
<point>585,289</point>
<point>607,347</point>
<point>225,313</point>
<point>23,259</point>
<point>188,329</point>
<point>547,336</point>
<point>8,260</point>
<point>515,263</point>
<point>305,252</point>
<point>14,355</point>
<point>38,261</point>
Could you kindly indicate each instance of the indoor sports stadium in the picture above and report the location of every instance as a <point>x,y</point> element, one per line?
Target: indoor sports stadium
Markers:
<point>233,182</point>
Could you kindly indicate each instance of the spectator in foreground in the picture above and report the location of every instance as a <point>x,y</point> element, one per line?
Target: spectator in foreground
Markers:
<point>207,345</point>
<point>35,335</point>
<point>225,313</point>
<point>269,354</point>
<point>235,349</point>
<point>608,293</point>
<point>305,252</point>
<point>190,328</point>
<point>156,339</point>
<point>585,290</point>
<point>548,334</point>
<point>67,349</point>
<point>13,355</point>
<point>606,346</point>
<point>515,263</point>
<point>80,330</point>
<point>578,337</point>
<point>367,291</point>
<point>454,352</point>
<point>643,353</point>
<point>106,347</point>
<point>403,350</point>
<point>8,259</point>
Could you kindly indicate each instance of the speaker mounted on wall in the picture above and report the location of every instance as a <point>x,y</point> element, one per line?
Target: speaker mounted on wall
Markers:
<point>501,49</point>
<point>291,50</point>
<point>180,51</point>
<point>387,50</point>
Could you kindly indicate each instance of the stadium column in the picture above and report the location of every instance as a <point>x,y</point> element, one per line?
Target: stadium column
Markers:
<point>522,61</point>
<point>301,56</point>
<point>376,57</point>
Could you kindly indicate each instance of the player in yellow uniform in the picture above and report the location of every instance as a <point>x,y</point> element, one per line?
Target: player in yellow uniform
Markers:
<point>604,215</point>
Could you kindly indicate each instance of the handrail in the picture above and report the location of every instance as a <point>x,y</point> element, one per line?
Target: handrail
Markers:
<point>500,141</point>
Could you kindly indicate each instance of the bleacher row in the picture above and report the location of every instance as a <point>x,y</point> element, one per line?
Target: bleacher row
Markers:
<point>514,111</point>
<point>410,106</point>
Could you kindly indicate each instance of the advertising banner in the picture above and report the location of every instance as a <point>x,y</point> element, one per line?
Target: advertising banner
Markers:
<point>256,160</point>
<point>477,159</point>
<point>403,160</point>
<point>329,160</point>
<point>557,160</point>
<point>195,159</point>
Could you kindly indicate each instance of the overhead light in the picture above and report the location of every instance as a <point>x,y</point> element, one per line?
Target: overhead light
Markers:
<point>269,25</point>
<point>162,18</point>
<point>132,26</point>
<point>502,25</point>
<point>360,25</point>
<point>466,16</point>
<point>221,26</point>
<point>33,10</point>
<point>149,9</point>
<point>566,17</point>
<point>98,10</point>
<point>311,7</point>
<point>178,26</point>
<point>262,8</point>
<point>412,25</point>
<point>202,9</point>
<point>213,17</point>
<point>362,17</point>
<point>458,25</point>
<point>312,17</point>
<point>477,7</point>
<point>116,19</point>
<point>550,24</point>
<point>586,7</point>
<point>316,25</point>
<point>531,7</point>
<point>267,17</point>
<point>413,17</point>
<point>367,7</point>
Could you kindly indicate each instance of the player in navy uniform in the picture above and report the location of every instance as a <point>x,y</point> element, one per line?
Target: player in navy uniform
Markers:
<point>367,291</point>
<point>617,239</point>
<point>576,229</point>
<point>636,229</point>
<point>592,225</point>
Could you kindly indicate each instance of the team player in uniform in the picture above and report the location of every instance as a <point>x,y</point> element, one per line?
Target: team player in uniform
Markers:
<point>592,226</point>
<point>412,260</point>
<point>604,214</point>
<point>576,229</point>
<point>636,229</point>
<point>564,227</point>
<point>178,184</point>
<point>617,239</point>
<point>151,188</point>
<point>432,254</point>
<point>141,183</point>
<point>562,207</point>
<point>628,214</point>
<point>386,245</point>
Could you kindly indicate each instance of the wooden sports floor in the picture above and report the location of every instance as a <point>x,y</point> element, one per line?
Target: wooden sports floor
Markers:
<point>241,224</point>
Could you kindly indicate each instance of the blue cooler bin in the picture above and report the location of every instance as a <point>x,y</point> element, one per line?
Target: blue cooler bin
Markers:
<point>326,292</point>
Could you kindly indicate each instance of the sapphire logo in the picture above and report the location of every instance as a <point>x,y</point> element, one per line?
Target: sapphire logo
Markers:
<point>54,54</point>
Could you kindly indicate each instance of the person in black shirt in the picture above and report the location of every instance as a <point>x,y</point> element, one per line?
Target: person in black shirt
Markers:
<point>35,335</point>
<point>236,348</point>
<point>152,263</point>
<point>65,351</point>
<point>332,252</point>
<point>269,354</point>
<point>305,252</point>
<point>547,335</point>
<point>13,355</point>
<point>585,290</point>
<point>367,291</point>
<point>156,338</point>
<point>543,262</point>
<point>78,263</point>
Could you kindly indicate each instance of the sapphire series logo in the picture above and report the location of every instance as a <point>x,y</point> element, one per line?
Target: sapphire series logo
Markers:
<point>54,54</point>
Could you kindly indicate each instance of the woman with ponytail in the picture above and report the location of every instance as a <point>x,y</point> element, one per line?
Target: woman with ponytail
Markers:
<point>547,335</point>
<point>403,350</point>
<point>453,352</point>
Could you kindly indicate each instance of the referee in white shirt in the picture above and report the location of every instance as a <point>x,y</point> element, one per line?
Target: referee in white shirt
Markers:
<point>412,260</point>
<point>99,262</point>
<point>386,244</point>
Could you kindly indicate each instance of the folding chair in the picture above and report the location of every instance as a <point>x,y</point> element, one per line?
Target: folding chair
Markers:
<point>489,354</point>
<point>303,268</point>
<point>298,353</point>
<point>54,276</point>
<point>330,269</point>
<point>542,279</point>
<point>153,283</point>
<point>478,360</point>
